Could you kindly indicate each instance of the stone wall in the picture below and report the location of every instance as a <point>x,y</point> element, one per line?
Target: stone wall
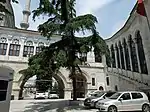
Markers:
<point>122,77</point>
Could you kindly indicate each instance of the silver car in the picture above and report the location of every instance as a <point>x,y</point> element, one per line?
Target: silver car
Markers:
<point>125,101</point>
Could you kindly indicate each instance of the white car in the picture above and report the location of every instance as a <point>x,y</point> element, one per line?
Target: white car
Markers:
<point>105,95</point>
<point>41,95</point>
<point>53,96</point>
<point>125,101</point>
<point>91,93</point>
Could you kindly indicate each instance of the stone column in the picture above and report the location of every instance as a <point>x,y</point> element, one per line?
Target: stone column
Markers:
<point>67,93</point>
<point>8,47</point>
<point>120,56</point>
<point>111,57</point>
<point>129,50</point>
<point>137,54</point>
<point>35,45</point>
<point>34,50</point>
<point>124,57</point>
<point>22,42</point>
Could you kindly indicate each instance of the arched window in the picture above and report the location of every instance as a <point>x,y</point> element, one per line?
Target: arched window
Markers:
<point>133,55</point>
<point>39,48</point>
<point>142,59</point>
<point>29,43</point>
<point>108,58</point>
<point>121,54</point>
<point>14,48</point>
<point>101,88</point>
<point>113,57</point>
<point>28,49</point>
<point>83,56</point>
<point>126,55</point>
<point>118,60</point>
<point>98,56</point>
<point>3,46</point>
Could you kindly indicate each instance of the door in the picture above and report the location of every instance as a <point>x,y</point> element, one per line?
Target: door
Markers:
<point>137,100</point>
<point>125,102</point>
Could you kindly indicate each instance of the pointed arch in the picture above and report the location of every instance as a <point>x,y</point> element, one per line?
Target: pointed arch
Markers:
<point>108,58</point>
<point>133,55</point>
<point>113,57</point>
<point>141,53</point>
<point>126,54</point>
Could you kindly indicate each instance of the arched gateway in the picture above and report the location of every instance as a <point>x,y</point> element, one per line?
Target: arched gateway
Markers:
<point>6,75</point>
<point>65,85</point>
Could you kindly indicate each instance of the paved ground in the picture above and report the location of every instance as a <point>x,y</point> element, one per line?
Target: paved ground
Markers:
<point>45,106</point>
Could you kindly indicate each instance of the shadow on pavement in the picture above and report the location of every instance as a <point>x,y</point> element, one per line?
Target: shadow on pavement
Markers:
<point>52,107</point>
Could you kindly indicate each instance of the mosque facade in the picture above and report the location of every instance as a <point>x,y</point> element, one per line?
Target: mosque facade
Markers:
<point>129,50</point>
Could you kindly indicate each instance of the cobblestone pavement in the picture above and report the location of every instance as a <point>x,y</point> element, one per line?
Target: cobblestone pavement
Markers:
<point>45,106</point>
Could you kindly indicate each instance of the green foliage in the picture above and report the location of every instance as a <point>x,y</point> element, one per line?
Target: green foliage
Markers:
<point>82,23</point>
<point>63,21</point>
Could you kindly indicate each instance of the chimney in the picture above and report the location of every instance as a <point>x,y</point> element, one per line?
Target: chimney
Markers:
<point>26,13</point>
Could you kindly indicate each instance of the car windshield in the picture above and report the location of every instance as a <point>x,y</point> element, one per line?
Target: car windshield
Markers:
<point>115,96</point>
<point>53,92</point>
<point>97,94</point>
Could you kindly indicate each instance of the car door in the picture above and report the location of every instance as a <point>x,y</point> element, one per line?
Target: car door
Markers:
<point>137,99</point>
<point>125,102</point>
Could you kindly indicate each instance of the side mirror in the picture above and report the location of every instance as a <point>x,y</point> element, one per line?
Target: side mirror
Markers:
<point>120,99</point>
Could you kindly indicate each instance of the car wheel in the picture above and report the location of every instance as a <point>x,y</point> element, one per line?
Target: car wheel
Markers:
<point>112,109</point>
<point>145,108</point>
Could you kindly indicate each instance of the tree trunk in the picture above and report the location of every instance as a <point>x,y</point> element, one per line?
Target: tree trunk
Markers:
<point>20,97</point>
<point>74,89</point>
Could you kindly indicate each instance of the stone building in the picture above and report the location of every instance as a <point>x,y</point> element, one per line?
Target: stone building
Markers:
<point>130,53</point>
<point>17,45</point>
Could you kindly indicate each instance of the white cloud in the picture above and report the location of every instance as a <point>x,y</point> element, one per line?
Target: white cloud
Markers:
<point>35,24</point>
<point>90,6</point>
<point>82,7</point>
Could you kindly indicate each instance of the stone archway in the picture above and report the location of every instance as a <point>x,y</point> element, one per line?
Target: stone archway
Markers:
<point>6,79</point>
<point>81,84</point>
<point>61,83</point>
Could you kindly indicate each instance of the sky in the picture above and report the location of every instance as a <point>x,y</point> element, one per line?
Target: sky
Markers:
<point>111,14</point>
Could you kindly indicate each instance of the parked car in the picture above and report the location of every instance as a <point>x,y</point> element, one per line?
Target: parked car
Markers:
<point>89,94</point>
<point>125,101</point>
<point>95,97</point>
<point>41,95</point>
<point>106,94</point>
<point>53,95</point>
